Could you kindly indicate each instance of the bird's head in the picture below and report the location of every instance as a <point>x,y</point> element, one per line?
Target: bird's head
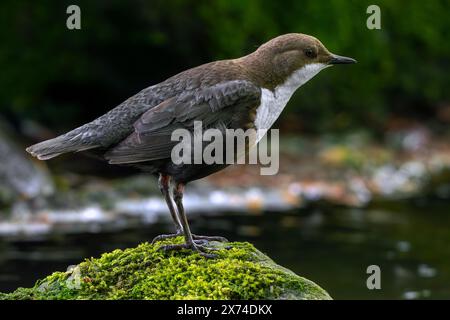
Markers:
<point>295,55</point>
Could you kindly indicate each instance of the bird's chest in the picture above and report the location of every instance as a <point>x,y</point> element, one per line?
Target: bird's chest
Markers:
<point>272,104</point>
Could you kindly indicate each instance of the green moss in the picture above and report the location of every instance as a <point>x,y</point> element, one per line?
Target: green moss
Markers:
<point>144,272</point>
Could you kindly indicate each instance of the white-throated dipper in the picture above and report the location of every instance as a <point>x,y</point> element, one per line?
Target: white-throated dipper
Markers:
<point>248,92</point>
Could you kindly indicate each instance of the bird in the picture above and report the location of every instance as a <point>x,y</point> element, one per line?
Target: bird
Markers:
<point>249,92</point>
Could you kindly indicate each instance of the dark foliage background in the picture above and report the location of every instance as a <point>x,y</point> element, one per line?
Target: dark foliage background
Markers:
<point>63,78</point>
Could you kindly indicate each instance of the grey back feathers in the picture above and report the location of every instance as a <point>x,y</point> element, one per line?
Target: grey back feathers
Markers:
<point>139,129</point>
<point>216,106</point>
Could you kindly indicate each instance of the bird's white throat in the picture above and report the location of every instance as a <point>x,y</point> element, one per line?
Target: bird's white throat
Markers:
<point>273,102</point>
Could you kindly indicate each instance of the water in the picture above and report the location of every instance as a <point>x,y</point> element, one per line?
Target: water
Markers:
<point>331,246</point>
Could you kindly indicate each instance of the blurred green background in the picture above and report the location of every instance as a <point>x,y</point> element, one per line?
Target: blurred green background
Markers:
<point>63,78</point>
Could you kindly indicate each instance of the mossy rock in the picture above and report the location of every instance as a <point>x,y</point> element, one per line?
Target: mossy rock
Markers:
<point>144,272</point>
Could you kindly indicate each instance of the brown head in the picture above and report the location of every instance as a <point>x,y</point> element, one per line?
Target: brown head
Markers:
<point>280,58</point>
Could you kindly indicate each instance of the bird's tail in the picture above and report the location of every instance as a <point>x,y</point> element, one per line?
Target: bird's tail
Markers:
<point>73,141</point>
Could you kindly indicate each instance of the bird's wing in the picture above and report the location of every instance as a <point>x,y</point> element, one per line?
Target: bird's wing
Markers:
<point>219,105</point>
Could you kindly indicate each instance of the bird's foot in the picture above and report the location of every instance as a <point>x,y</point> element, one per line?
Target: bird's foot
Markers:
<point>209,238</point>
<point>196,246</point>
<point>202,239</point>
<point>163,237</point>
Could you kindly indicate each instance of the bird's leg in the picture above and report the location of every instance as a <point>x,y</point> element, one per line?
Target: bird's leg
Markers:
<point>198,238</point>
<point>164,186</point>
<point>190,243</point>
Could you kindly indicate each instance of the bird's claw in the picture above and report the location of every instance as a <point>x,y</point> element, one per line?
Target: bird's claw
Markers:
<point>163,237</point>
<point>209,238</point>
<point>196,246</point>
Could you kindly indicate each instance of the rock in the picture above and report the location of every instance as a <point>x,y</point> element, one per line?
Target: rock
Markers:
<point>144,272</point>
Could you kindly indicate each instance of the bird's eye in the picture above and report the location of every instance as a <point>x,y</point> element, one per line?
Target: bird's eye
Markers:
<point>310,53</point>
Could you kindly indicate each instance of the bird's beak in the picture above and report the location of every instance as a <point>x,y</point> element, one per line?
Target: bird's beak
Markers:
<point>335,59</point>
